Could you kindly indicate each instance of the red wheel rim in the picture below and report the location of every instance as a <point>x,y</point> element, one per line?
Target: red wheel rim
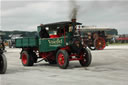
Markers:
<point>24,58</point>
<point>61,60</point>
<point>100,44</point>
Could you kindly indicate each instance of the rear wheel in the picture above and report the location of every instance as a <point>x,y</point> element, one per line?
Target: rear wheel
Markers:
<point>99,43</point>
<point>87,58</point>
<point>3,64</point>
<point>62,59</point>
<point>26,58</point>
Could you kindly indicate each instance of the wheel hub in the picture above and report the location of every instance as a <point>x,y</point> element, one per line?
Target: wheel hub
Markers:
<point>100,43</point>
<point>24,59</point>
<point>61,59</point>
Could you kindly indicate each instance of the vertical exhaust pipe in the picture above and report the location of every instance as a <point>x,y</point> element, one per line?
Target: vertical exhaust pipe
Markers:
<point>74,25</point>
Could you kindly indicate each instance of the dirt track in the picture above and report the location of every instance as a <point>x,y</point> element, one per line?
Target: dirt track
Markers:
<point>109,67</point>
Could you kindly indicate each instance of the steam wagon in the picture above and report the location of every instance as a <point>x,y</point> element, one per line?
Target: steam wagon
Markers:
<point>56,43</point>
<point>96,40</point>
<point>97,37</point>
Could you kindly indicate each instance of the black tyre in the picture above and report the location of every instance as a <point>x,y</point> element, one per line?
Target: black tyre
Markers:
<point>87,58</point>
<point>34,56</point>
<point>3,64</point>
<point>62,59</point>
<point>26,58</point>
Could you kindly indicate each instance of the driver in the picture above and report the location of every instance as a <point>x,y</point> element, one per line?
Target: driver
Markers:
<point>43,33</point>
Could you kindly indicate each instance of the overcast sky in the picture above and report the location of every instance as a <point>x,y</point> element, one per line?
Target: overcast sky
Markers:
<point>26,15</point>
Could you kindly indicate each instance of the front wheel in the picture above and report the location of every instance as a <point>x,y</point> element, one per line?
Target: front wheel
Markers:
<point>62,59</point>
<point>87,57</point>
<point>3,64</point>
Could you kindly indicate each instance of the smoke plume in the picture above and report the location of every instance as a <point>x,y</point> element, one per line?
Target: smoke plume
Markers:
<point>74,9</point>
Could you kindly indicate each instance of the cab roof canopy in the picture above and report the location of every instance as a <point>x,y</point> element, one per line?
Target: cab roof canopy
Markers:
<point>60,24</point>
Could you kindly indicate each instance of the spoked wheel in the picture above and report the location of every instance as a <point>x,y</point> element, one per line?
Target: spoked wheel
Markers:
<point>100,43</point>
<point>87,57</point>
<point>62,59</point>
<point>3,64</point>
<point>26,59</point>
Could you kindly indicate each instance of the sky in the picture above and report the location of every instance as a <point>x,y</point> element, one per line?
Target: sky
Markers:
<point>26,15</point>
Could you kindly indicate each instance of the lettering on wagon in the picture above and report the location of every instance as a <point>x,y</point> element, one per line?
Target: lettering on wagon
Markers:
<point>57,42</point>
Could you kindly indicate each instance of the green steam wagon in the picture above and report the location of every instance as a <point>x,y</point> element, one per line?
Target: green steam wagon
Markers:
<point>55,43</point>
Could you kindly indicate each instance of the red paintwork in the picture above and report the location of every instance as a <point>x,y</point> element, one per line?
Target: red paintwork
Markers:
<point>43,55</point>
<point>61,60</point>
<point>24,58</point>
<point>122,38</point>
<point>54,36</point>
<point>47,55</point>
<point>73,55</point>
<point>64,36</point>
<point>66,48</point>
<point>83,60</point>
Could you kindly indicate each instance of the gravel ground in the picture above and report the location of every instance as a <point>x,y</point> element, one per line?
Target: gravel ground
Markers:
<point>109,67</point>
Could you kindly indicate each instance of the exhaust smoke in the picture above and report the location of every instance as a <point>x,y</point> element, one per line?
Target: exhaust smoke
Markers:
<point>74,9</point>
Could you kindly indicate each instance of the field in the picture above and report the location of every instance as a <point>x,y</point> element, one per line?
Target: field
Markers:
<point>109,67</point>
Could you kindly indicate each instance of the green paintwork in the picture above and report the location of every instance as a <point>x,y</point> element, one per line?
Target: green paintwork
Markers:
<point>44,44</point>
<point>26,42</point>
<point>50,44</point>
